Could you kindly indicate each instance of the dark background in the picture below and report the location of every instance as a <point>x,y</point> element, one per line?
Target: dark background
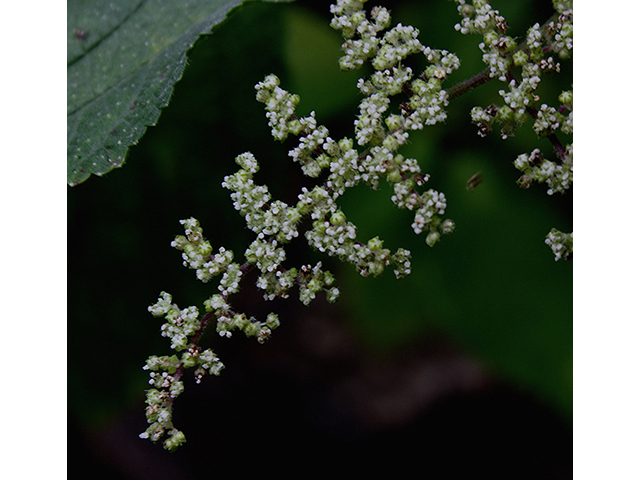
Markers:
<point>462,367</point>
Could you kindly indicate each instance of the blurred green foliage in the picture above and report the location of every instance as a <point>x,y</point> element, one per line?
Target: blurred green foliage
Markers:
<point>491,287</point>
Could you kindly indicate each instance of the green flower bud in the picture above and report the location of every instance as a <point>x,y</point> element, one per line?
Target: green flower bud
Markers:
<point>303,208</point>
<point>435,83</point>
<point>323,160</point>
<point>176,388</point>
<point>273,321</point>
<point>318,194</point>
<point>176,439</point>
<point>243,175</point>
<point>179,242</point>
<point>566,98</point>
<point>314,285</point>
<point>520,58</point>
<point>375,244</point>
<point>153,396</point>
<point>338,218</point>
<point>319,227</point>
<point>491,37</point>
<point>505,114</point>
<point>390,143</point>
<point>394,176</point>
<point>240,321</point>
<point>329,279</point>
<point>345,144</point>
<point>432,238</point>
<point>189,360</point>
<point>251,329</point>
<point>394,122</point>
<point>294,126</point>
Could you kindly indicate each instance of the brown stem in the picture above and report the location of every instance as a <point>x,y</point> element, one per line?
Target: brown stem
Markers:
<point>469,84</point>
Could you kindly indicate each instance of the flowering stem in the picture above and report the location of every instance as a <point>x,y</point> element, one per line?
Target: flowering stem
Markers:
<point>557,144</point>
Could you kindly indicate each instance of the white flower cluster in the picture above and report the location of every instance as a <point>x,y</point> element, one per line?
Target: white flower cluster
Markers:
<point>347,167</point>
<point>159,416</point>
<point>314,279</point>
<point>479,18</point>
<point>306,152</point>
<point>532,58</point>
<point>535,42</point>
<point>350,18</point>
<point>197,252</point>
<point>535,167</point>
<point>275,223</point>
<point>280,106</point>
<point>396,45</point>
<point>502,53</point>
<point>370,122</point>
<point>561,244</point>
<point>275,219</point>
<point>181,324</point>
<point>548,120</point>
<point>166,371</point>
<point>248,325</point>
<point>562,31</point>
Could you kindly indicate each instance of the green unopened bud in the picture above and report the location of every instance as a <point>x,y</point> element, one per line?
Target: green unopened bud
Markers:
<point>520,58</point>
<point>294,126</point>
<point>251,329</point>
<point>189,360</point>
<point>505,113</point>
<point>318,194</point>
<point>491,37</point>
<point>394,176</point>
<point>319,227</point>
<point>509,43</point>
<point>323,160</point>
<point>432,238</point>
<point>375,244</point>
<point>329,279</point>
<point>176,439</point>
<point>273,321</point>
<point>345,144</point>
<point>314,285</point>
<point>566,98</point>
<point>240,321</point>
<point>390,143</point>
<point>243,175</point>
<point>394,122</point>
<point>303,208</point>
<point>435,83</point>
<point>338,218</point>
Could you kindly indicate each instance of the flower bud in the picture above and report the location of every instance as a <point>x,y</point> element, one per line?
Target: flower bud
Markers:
<point>338,218</point>
<point>432,238</point>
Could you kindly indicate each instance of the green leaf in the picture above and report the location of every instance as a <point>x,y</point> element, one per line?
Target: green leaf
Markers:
<point>123,59</point>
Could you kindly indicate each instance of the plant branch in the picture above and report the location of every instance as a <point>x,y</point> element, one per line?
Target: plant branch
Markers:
<point>469,84</point>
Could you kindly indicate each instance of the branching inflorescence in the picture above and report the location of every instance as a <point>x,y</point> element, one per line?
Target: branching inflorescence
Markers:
<point>371,156</point>
<point>521,67</point>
